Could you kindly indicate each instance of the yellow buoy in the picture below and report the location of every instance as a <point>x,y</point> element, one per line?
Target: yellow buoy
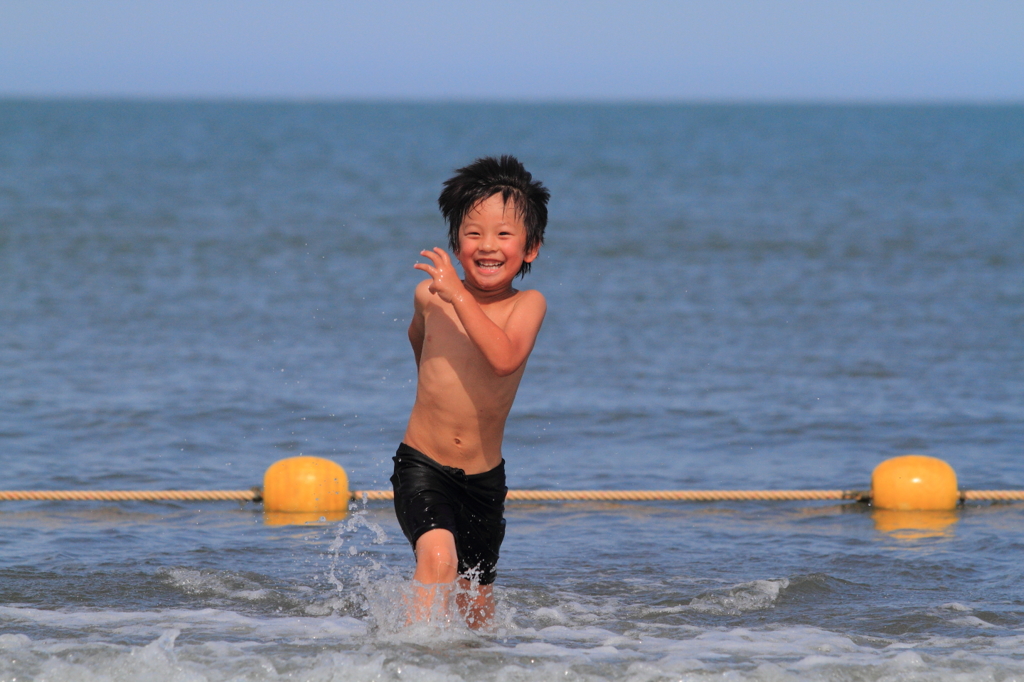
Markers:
<point>305,484</point>
<point>914,483</point>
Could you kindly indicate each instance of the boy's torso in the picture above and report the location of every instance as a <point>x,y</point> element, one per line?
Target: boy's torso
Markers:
<point>461,404</point>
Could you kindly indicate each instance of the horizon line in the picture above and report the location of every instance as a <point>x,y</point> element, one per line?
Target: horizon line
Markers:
<point>505,101</point>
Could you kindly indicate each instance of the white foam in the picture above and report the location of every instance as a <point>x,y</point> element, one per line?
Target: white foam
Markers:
<point>553,615</point>
<point>94,621</point>
<point>14,641</point>
<point>570,636</point>
<point>219,645</point>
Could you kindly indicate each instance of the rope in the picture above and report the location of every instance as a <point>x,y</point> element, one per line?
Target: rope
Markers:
<point>683,495</point>
<point>118,495</point>
<point>993,495</point>
<point>650,495</point>
<point>255,495</point>
<point>372,495</point>
<point>705,495</point>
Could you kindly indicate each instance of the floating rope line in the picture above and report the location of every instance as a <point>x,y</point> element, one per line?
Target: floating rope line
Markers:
<point>652,495</point>
<point>993,495</point>
<point>255,495</point>
<point>686,495</point>
<point>119,495</point>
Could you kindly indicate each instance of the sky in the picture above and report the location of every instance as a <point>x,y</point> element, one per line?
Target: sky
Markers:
<point>532,50</point>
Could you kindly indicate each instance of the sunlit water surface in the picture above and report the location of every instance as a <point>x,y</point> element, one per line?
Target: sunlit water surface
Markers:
<point>739,297</point>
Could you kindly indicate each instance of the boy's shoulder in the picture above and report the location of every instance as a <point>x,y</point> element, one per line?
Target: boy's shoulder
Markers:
<point>423,294</point>
<point>423,288</point>
<point>530,297</point>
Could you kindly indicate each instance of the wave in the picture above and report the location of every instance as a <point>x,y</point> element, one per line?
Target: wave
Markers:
<point>211,644</point>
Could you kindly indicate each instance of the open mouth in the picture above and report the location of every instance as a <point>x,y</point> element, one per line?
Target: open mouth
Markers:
<point>489,265</point>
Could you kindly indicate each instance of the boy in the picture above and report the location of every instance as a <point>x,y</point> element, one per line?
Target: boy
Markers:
<point>471,339</point>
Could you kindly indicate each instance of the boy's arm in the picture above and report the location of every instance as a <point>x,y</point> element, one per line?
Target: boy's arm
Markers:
<point>417,327</point>
<point>505,349</point>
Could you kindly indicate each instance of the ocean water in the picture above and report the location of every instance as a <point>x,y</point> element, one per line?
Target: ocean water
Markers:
<point>739,297</point>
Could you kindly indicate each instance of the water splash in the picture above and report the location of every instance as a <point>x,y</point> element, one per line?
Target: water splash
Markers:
<point>364,583</point>
<point>351,571</point>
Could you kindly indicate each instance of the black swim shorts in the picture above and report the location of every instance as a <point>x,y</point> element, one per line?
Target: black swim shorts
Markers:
<point>429,495</point>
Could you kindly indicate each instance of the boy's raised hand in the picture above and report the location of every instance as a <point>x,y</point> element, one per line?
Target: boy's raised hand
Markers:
<point>446,282</point>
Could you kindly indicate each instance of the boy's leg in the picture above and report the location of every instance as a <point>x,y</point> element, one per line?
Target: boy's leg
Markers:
<point>476,604</point>
<point>437,566</point>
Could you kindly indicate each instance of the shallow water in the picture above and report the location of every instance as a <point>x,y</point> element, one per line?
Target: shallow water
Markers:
<point>739,297</point>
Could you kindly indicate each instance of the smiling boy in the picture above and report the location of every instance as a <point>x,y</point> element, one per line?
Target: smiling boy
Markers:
<point>471,338</point>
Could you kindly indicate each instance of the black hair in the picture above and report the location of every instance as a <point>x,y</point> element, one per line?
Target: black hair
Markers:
<point>483,179</point>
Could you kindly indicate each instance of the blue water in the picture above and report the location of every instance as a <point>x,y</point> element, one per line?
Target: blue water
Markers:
<point>739,297</point>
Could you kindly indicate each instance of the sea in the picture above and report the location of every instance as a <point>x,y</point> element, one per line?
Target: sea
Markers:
<point>740,296</point>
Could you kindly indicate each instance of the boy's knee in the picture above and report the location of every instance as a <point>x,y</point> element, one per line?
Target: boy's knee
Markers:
<point>436,557</point>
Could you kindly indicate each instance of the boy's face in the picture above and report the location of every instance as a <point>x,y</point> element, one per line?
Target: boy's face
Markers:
<point>492,244</point>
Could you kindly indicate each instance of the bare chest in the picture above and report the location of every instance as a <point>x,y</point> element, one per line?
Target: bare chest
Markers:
<point>444,324</point>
